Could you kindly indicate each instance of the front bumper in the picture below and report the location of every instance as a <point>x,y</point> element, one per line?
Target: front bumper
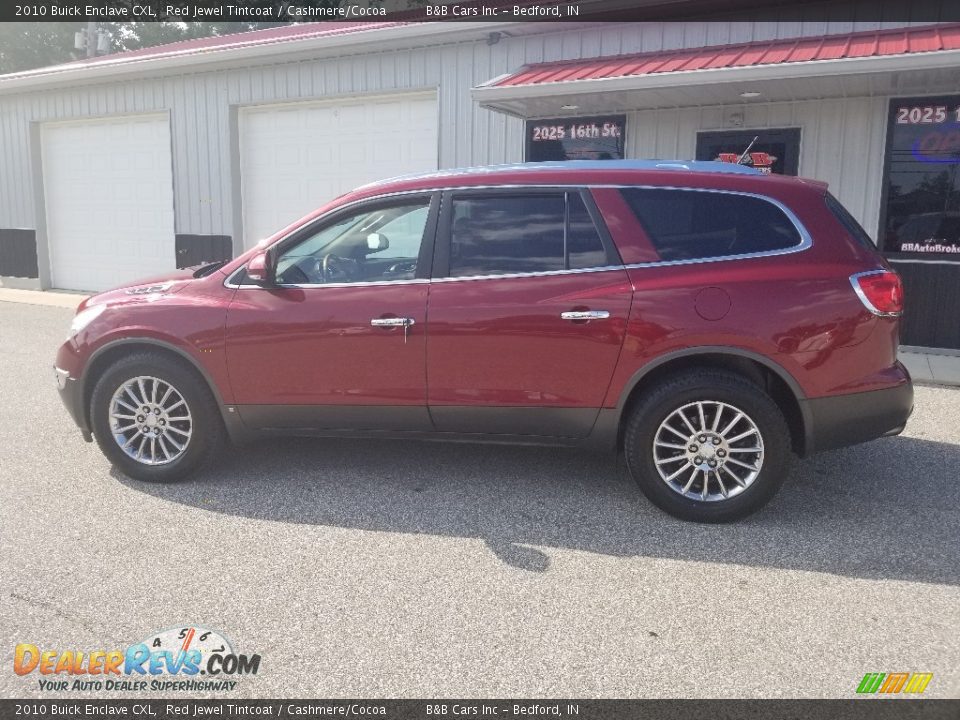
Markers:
<point>842,420</point>
<point>71,394</point>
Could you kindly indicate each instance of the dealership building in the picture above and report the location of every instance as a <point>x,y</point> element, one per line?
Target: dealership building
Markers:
<point>137,163</point>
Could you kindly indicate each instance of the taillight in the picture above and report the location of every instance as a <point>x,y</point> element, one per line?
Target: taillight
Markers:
<point>880,291</point>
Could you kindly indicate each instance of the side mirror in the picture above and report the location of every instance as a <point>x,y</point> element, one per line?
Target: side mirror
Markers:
<point>377,242</point>
<point>260,269</point>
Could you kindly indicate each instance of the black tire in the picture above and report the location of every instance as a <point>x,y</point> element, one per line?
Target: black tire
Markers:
<point>704,385</point>
<point>207,431</point>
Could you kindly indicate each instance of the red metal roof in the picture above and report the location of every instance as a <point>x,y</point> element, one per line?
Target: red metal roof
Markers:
<point>901,41</point>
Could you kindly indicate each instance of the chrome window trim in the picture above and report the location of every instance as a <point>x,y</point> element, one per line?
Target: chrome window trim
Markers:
<point>806,240</point>
<point>541,273</point>
<point>304,286</point>
<point>420,281</point>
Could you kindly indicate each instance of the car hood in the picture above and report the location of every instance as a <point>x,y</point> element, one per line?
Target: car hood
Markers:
<point>143,290</point>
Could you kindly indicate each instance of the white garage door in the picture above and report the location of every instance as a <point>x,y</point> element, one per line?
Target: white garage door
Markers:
<point>109,200</point>
<point>296,157</point>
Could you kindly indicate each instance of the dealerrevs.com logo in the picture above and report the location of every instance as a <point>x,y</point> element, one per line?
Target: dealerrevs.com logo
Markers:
<point>894,683</point>
<point>187,659</point>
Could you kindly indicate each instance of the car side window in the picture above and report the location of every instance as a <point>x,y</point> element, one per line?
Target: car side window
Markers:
<point>511,234</point>
<point>695,224</point>
<point>369,245</point>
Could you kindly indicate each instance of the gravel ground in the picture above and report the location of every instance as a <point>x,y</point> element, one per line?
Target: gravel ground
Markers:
<point>389,569</point>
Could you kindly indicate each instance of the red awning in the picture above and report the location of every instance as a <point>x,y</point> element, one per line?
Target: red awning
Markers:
<point>880,43</point>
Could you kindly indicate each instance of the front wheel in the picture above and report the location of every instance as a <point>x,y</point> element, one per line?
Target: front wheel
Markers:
<point>154,418</point>
<point>708,446</point>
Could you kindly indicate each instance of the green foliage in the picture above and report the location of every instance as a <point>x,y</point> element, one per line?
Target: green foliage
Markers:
<point>29,45</point>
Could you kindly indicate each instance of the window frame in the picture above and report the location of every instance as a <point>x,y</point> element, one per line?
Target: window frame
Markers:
<point>441,260</point>
<point>901,255</point>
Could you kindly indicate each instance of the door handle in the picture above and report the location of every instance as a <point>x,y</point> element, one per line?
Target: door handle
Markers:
<point>585,315</point>
<point>405,323</point>
<point>392,322</point>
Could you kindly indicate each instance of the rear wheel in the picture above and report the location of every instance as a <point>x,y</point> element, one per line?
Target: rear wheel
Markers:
<point>155,418</point>
<point>708,446</point>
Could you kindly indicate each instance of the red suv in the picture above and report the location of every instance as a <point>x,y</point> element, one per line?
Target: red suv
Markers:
<point>710,321</point>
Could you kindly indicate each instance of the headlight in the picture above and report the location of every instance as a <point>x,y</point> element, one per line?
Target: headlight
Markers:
<point>84,318</point>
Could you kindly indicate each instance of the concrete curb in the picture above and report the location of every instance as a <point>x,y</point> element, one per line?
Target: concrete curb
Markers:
<point>42,297</point>
<point>931,368</point>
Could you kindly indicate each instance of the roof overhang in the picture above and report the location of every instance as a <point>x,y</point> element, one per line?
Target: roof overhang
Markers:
<point>926,72</point>
<point>377,37</point>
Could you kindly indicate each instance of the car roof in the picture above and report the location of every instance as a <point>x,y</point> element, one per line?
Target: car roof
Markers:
<point>571,167</point>
<point>692,173</point>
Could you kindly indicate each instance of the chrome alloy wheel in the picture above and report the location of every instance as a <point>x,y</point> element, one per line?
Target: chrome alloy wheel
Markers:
<point>708,451</point>
<point>150,420</point>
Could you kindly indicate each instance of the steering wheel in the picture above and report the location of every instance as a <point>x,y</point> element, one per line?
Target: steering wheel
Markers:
<point>332,265</point>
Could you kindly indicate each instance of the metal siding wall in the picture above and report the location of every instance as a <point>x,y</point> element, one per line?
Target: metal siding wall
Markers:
<point>199,106</point>
<point>841,141</point>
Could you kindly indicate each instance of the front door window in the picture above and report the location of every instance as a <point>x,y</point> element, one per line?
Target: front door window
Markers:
<point>372,245</point>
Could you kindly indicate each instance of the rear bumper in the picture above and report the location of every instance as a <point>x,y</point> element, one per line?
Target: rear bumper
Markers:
<point>842,420</point>
<point>71,395</point>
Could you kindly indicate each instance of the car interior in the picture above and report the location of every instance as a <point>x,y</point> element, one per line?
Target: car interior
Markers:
<point>381,244</point>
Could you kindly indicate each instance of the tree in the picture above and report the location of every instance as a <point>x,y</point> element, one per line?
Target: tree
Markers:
<point>28,45</point>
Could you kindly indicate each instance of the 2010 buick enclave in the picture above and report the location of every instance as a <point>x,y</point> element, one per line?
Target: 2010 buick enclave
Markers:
<point>710,321</point>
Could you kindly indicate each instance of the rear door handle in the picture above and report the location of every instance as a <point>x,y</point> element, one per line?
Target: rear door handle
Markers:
<point>585,315</point>
<point>392,322</point>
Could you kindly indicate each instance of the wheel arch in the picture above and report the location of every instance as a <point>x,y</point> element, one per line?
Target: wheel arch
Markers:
<point>103,357</point>
<point>769,375</point>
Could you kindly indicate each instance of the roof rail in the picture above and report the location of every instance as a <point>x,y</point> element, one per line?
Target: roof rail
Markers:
<point>708,166</point>
<point>705,166</point>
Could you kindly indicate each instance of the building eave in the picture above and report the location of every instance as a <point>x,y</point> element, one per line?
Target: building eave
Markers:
<point>503,98</point>
<point>397,36</point>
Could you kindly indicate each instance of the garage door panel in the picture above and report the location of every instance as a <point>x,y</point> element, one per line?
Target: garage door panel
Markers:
<point>295,158</point>
<point>109,201</point>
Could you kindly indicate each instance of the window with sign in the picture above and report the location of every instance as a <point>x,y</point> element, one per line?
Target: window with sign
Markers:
<point>773,151</point>
<point>580,138</point>
<point>922,184</point>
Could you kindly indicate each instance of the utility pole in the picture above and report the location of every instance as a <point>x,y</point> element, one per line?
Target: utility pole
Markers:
<point>92,38</point>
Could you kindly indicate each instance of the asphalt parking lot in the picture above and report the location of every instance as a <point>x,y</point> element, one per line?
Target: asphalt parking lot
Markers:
<point>389,569</point>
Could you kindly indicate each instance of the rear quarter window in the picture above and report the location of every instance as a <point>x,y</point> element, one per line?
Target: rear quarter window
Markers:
<point>703,224</point>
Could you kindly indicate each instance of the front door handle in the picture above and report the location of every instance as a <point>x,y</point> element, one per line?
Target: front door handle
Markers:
<point>392,322</point>
<point>385,322</point>
<point>585,315</point>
